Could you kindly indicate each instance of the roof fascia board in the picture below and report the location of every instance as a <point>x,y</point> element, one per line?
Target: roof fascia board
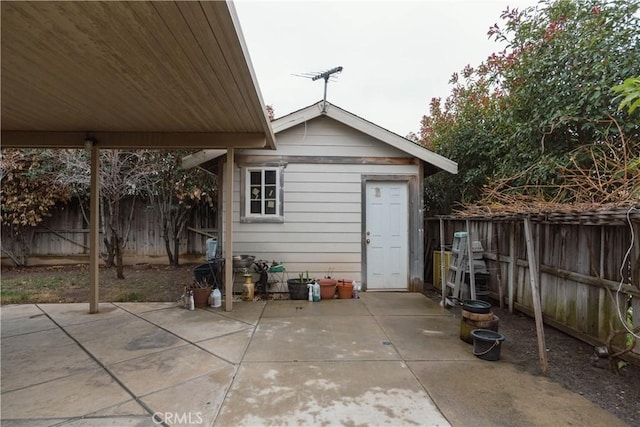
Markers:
<point>297,117</point>
<point>151,140</point>
<point>392,139</point>
<point>200,157</point>
<point>364,126</point>
<point>254,86</point>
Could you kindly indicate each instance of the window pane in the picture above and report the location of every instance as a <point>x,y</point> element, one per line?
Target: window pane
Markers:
<point>270,192</point>
<point>256,194</point>
<point>270,177</point>
<point>256,178</point>
<point>270,207</point>
<point>255,206</point>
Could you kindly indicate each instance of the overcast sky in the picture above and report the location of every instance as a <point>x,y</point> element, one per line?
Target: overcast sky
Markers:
<point>396,55</point>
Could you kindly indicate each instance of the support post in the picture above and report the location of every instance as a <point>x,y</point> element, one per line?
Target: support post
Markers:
<point>535,293</point>
<point>228,232</point>
<point>94,228</point>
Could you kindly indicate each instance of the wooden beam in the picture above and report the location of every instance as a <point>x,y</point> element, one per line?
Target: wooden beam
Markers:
<point>159,140</point>
<point>590,280</point>
<point>250,159</point>
<point>94,233</point>
<point>200,157</point>
<point>535,293</point>
<point>228,232</point>
<point>571,275</point>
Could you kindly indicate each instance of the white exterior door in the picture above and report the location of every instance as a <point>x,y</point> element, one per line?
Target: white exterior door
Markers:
<point>387,235</point>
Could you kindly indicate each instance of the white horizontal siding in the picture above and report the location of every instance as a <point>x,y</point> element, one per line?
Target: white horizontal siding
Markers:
<point>322,202</point>
<point>296,227</point>
<point>327,175</point>
<point>294,237</point>
<point>304,197</point>
<point>323,136</point>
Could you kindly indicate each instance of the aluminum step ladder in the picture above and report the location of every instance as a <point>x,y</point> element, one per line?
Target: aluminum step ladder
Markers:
<point>457,265</point>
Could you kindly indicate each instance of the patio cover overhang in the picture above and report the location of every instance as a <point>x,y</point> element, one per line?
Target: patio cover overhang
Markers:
<point>105,74</point>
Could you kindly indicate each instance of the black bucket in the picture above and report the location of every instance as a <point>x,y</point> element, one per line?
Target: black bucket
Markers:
<point>486,344</point>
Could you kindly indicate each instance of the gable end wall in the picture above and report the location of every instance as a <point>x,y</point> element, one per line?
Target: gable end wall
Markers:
<point>325,164</point>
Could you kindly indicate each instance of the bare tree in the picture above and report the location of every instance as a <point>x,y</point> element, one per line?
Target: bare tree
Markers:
<point>123,174</point>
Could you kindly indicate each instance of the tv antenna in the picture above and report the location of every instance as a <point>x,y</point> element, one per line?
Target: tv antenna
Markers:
<point>326,75</point>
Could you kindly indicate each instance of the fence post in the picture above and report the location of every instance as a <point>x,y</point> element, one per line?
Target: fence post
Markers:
<point>537,306</point>
<point>513,265</point>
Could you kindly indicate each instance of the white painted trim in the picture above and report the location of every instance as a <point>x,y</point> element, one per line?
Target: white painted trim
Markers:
<point>200,157</point>
<point>368,128</point>
<point>349,119</point>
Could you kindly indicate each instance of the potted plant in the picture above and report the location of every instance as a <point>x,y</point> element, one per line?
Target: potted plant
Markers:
<point>327,286</point>
<point>345,289</point>
<point>298,286</point>
<point>201,292</point>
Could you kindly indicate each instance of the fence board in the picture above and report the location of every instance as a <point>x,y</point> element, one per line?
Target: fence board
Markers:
<point>65,234</point>
<point>579,271</point>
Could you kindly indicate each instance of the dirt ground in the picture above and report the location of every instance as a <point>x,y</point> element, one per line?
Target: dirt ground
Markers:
<point>571,362</point>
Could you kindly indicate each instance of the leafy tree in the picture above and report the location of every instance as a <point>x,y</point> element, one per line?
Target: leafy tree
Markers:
<point>28,193</point>
<point>464,128</point>
<point>525,110</point>
<point>630,93</point>
<point>562,58</point>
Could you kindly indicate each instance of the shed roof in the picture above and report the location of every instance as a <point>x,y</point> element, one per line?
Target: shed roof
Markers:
<point>349,119</point>
<point>130,74</point>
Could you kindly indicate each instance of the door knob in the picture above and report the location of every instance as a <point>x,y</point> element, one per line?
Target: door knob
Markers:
<point>368,241</point>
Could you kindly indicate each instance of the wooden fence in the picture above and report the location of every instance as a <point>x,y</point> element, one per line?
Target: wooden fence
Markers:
<point>579,259</point>
<point>64,237</point>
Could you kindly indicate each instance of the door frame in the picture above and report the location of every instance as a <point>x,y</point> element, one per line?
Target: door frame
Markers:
<point>415,238</point>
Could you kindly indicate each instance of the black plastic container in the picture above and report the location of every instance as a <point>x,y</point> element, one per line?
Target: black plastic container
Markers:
<point>486,344</point>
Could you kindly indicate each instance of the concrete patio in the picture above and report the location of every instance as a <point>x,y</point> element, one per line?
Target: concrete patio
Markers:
<point>385,359</point>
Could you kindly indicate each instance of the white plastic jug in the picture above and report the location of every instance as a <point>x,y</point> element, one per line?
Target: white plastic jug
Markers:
<point>217,298</point>
<point>316,292</point>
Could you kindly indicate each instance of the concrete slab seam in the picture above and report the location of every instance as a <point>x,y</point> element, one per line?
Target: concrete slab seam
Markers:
<point>103,366</point>
<point>237,367</point>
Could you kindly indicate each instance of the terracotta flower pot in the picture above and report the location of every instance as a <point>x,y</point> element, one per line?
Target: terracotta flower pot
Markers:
<point>327,288</point>
<point>201,296</point>
<point>345,289</point>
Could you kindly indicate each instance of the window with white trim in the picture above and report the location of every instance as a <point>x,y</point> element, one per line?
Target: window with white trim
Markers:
<point>262,194</point>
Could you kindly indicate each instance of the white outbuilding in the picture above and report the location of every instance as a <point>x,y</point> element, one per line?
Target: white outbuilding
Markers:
<point>339,196</point>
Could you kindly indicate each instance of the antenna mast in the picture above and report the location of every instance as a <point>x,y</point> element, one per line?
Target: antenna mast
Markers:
<point>326,75</point>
